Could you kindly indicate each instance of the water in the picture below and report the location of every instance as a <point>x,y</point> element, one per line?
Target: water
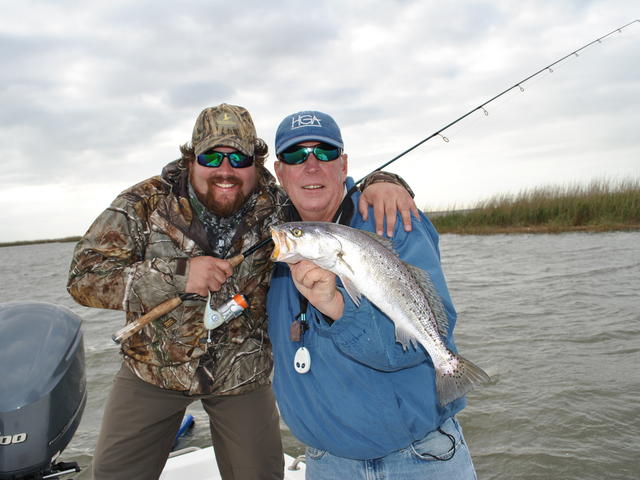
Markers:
<point>554,319</point>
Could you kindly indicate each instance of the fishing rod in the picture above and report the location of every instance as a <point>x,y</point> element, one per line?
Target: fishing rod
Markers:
<point>481,106</point>
<point>168,305</point>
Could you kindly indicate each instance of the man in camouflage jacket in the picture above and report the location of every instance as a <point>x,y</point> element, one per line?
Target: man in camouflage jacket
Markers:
<point>134,257</point>
<point>166,237</point>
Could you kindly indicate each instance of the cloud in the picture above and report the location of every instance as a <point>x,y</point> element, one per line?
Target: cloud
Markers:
<point>102,94</point>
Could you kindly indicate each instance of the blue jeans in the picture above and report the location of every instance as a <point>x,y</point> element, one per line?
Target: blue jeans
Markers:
<point>436,456</point>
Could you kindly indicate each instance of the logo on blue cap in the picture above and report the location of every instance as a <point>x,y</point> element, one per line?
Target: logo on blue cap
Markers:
<point>307,126</point>
<point>305,120</point>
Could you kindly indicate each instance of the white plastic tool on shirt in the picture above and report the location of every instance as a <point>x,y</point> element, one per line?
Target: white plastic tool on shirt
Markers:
<point>302,360</point>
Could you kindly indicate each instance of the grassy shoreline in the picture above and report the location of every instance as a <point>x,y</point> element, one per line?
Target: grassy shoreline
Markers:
<point>600,206</point>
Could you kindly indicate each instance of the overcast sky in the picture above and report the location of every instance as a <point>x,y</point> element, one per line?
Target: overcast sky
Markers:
<point>96,96</point>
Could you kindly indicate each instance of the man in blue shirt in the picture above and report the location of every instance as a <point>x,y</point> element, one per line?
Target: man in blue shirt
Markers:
<point>360,403</point>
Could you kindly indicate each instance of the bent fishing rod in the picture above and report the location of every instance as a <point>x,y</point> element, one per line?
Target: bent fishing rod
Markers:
<point>481,106</point>
<point>168,305</point>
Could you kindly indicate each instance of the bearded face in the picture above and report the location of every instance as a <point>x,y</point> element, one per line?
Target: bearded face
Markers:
<point>222,189</point>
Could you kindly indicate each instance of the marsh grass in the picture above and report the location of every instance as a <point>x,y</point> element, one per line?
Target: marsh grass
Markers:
<point>598,206</point>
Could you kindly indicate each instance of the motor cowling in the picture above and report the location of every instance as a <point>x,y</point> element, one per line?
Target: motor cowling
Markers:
<point>42,386</point>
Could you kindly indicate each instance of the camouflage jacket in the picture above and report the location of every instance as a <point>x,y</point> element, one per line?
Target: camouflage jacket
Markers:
<point>134,257</point>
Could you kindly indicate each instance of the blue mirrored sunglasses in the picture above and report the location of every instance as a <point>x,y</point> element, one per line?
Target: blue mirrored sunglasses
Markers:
<point>214,159</point>
<point>297,154</point>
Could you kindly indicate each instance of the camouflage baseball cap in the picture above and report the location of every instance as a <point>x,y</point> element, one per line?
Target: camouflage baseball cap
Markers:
<point>224,126</point>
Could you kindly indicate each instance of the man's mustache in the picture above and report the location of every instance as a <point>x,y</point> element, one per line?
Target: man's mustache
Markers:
<point>225,179</point>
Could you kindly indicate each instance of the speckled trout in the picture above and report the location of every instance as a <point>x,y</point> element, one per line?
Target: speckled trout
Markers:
<point>368,266</point>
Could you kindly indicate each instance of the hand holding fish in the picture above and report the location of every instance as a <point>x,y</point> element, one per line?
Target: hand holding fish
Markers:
<point>319,287</point>
<point>207,274</point>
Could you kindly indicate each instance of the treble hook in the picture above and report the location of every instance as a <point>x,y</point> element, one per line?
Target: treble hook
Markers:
<point>444,138</point>
<point>485,112</point>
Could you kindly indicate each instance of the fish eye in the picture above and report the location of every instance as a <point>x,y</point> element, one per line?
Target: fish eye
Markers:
<point>296,232</point>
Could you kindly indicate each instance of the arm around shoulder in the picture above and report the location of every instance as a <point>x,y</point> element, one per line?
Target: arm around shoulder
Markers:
<point>388,194</point>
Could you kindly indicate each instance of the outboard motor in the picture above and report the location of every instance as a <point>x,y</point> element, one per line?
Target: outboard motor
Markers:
<point>42,388</point>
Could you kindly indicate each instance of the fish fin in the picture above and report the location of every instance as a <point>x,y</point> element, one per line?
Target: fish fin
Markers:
<point>349,286</point>
<point>433,297</point>
<point>386,243</point>
<point>352,290</point>
<point>405,338</point>
<point>340,259</point>
<point>456,380</point>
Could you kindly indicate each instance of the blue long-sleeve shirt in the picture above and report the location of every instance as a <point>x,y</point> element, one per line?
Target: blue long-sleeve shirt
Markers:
<point>364,396</point>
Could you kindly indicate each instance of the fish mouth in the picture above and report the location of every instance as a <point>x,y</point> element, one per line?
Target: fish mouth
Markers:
<point>277,241</point>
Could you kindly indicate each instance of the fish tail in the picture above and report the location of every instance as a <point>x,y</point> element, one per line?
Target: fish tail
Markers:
<point>457,378</point>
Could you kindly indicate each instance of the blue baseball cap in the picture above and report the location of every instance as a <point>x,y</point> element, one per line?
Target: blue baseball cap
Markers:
<point>307,126</point>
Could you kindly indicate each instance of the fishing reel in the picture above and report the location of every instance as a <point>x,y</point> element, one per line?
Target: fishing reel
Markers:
<point>232,308</point>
